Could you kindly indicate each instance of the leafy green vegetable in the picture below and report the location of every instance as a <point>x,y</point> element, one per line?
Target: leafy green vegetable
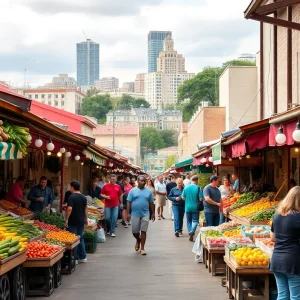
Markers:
<point>264,215</point>
<point>246,198</point>
<point>51,219</point>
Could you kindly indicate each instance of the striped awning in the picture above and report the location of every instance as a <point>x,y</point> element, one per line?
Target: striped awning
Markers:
<point>9,151</point>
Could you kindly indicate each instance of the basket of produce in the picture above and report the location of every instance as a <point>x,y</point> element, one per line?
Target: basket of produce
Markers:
<point>234,245</point>
<point>90,241</point>
<point>45,226</point>
<point>255,231</point>
<point>265,244</point>
<point>217,243</point>
<point>52,219</point>
<point>229,202</point>
<point>62,236</point>
<point>233,232</point>
<point>263,217</point>
<point>249,258</point>
<point>53,242</point>
<point>228,225</point>
<point>19,211</point>
<point>253,208</point>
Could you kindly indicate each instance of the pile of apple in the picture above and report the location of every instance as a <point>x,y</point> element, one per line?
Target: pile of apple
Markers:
<point>217,242</point>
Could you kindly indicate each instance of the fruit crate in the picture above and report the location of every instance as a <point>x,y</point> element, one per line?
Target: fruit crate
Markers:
<point>254,235</point>
<point>90,244</point>
<point>267,249</point>
<point>235,263</point>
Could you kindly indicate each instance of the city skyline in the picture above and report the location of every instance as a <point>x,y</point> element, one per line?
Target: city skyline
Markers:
<point>201,32</point>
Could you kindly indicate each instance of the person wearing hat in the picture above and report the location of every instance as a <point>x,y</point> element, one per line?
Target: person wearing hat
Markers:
<point>212,200</point>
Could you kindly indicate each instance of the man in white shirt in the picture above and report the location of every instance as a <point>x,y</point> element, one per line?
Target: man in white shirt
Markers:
<point>161,193</point>
<point>187,180</point>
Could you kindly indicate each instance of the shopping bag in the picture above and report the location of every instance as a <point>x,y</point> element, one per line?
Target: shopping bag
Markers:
<point>198,249</point>
<point>101,236</point>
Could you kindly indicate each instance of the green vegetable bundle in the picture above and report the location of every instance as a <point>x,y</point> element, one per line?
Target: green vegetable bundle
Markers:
<point>89,233</point>
<point>53,242</point>
<point>53,219</point>
<point>17,135</point>
<point>246,198</point>
<point>264,215</point>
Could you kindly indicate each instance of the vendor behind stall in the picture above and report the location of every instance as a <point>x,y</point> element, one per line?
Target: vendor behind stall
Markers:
<point>15,192</point>
<point>95,190</point>
<point>41,196</point>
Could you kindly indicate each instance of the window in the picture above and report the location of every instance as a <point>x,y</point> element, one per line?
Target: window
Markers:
<point>36,96</point>
<point>30,96</point>
<point>62,103</point>
<point>49,102</point>
<point>55,103</point>
<point>62,96</point>
<point>43,96</point>
<point>49,96</point>
<point>56,96</point>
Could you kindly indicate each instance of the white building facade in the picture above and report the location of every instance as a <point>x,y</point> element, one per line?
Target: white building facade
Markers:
<point>107,83</point>
<point>161,87</point>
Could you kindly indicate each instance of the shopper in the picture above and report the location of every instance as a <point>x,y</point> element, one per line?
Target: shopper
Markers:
<point>133,181</point>
<point>95,190</point>
<point>112,193</point>
<point>140,202</point>
<point>226,191</point>
<point>77,218</point>
<point>212,199</point>
<point>285,232</point>
<point>40,196</point>
<point>192,194</point>
<point>15,192</point>
<point>161,193</point>
<point>238,184</point>
<point>177,206</point>
<point>169,187</point>
<point>187,180</point>
<point>125,214</point>
<point>150,186</point>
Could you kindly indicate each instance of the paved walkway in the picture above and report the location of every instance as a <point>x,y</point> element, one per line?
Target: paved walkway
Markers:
<point>117,272</point>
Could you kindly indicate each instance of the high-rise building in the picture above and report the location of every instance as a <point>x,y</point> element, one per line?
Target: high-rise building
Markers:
<point>155,46</point>
<point>107,84</point>
<point>139,83</point>
<point>161,87</point>
<point>87,63</point>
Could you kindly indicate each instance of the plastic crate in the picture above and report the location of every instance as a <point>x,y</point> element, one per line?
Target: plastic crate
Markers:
<point>90,244</point>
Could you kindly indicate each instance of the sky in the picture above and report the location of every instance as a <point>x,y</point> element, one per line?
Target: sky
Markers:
<point>41,35</point>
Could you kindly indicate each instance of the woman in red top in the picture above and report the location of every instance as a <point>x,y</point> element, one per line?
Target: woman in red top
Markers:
<point>15,192</point>
<point>125,214</point>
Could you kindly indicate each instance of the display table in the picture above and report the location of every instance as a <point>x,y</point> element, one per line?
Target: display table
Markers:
<point>68,261</point>
<point>235,276</point>
<point>216,264</point>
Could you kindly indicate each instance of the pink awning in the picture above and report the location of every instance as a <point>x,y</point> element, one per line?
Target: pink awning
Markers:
<point>238,148</point>
<point>288,129</point>
<point>258,140</point>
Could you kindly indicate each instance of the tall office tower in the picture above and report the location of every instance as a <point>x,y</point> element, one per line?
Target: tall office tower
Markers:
<point>87,63</point>
<point>155,46</point>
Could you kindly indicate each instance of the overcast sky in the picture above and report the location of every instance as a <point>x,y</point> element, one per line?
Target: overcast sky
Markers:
<point>206,32</point>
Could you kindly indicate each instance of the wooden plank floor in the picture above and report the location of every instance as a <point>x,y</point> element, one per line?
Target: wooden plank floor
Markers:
<point>117,272</point>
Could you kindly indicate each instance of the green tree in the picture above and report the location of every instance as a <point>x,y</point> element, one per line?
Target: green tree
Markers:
<point>170,137</point>
<point>151,140</point>
<point>97,106</point>
<point>141,102</point>
<point>171,160</point>
<point>127,101</point>
<point>92,91</point>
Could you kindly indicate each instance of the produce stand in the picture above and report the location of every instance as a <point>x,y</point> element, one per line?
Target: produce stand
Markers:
<point>43,274</point>
<point>12,282</point>
<point>235,276</point>
<point>68,261</point>
<point>216,263</point>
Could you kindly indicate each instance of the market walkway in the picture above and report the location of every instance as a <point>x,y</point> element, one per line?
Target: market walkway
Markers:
<point>117,272</point>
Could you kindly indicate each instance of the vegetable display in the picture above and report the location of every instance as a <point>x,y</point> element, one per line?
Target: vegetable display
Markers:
<point>264,215</point>
<point>216,242</point>
<point>41,250</point>
<point>233,233</point>
<point>231,200</point>
<point>245,198</point>
<point>228,225</point>
<point>212,233</point>
<point>46,226</point>
<point>53,242</point>
<point>20,211</point>
<point>15,134</point>
<point>62,236</point>
<point>89,233</point>
<point>255,207</point>
<point>53,219</point>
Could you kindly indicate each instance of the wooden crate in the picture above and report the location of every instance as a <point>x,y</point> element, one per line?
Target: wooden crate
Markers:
<point>70,246</point>
<point>44,262</point>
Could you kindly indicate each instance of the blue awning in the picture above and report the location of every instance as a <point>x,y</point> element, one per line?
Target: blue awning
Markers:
<point>9,151</point>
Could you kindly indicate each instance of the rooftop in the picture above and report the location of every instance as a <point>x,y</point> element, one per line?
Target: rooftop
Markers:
<point>119,130</point>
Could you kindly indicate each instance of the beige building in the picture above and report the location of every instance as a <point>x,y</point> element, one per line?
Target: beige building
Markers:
<point>139,83</point>
<point>183,141</point>
<point>173,150</point>
<point>161,86</point>
<point>206,125</point>
<point>63,80</point>
<point>107,84</point>
<point>67,98</point>
<point>238,94</point>
<point>125,137</point>
<point>146,117</point>
<point>128,87</point>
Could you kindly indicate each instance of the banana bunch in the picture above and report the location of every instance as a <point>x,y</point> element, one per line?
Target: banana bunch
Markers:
<point>15,134</point>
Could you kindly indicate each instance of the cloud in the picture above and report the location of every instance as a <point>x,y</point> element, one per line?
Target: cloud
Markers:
<point>94,7</point>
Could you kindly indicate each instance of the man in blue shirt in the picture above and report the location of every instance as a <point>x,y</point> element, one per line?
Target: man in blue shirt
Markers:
<point>40,196</point>
<point>141,204</point>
